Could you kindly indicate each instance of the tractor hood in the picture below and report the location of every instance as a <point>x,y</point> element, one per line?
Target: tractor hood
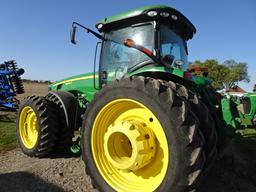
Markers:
<point>82,84</point>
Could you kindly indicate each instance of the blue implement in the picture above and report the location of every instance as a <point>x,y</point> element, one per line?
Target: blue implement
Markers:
<point>10,84</point>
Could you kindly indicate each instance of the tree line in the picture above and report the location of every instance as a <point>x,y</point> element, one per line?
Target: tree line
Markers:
<point>225,75</point>
<point>36,81</point>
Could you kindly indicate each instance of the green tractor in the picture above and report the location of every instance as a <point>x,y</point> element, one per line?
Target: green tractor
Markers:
<point>239,110</point>
<point>147,124</point>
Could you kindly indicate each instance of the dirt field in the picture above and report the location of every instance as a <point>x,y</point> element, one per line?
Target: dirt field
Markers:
<point>21,173</point>
<point>39,89</point>
<point>234,173</point>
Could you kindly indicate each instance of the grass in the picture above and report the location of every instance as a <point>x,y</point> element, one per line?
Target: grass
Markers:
<point>8,138</point>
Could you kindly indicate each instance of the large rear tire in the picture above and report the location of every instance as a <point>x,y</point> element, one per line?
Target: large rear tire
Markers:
<point>207,123</point>
<point>139,135</point>
<point>65,131</point>
<point>36,126</point>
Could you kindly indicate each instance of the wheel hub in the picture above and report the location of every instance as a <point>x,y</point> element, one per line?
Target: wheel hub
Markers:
<point>28,127</point>
<point>129,145</point>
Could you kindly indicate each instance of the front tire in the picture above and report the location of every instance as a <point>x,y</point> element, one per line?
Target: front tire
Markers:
<point>139,135</point>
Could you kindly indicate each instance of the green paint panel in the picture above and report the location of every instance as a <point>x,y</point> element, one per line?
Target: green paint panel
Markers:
<point>227,113</point>
<point>82,85</point>
<point>202,81</point>
<point>178,72</point>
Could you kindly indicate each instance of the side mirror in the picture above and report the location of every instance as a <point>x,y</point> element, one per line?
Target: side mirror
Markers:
<point>73,35</point>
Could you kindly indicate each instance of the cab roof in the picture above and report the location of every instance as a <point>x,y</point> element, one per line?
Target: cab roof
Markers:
<point>159,13</point>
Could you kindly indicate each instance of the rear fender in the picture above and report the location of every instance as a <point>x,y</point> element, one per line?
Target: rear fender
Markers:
<point>69,105</point>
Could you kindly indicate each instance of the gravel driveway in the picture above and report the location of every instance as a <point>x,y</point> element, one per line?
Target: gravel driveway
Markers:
<point>234,173</point>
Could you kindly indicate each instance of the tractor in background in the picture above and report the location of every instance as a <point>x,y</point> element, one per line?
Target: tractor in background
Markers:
<point>10,85</point>
<point>238,107</point>
<point>239,110</point>
<point>147,123</point>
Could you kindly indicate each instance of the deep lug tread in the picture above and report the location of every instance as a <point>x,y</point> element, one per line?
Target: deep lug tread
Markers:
<point>207,124</point>
<point>64,134</point>
<point>191,138</point>
<point>46,117</point>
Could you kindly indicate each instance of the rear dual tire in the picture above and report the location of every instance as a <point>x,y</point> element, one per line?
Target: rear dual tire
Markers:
<point>207,123</point>
<point>36,126</point>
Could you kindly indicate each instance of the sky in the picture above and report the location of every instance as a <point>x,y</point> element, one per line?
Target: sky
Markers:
<point>35,33</point>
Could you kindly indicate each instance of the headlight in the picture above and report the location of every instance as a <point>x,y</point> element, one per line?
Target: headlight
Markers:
<point>174,17</point>
<point>152,13</point>
<point>164,14</point>
<point>100,26</point>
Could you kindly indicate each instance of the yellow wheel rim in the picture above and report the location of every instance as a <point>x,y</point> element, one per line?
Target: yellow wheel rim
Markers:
<point>129,146</point>
<point>28,127</point>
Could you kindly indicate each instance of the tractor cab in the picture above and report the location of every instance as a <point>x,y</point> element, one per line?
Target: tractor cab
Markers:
<point>161,31</point>
<point>157,36</point>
